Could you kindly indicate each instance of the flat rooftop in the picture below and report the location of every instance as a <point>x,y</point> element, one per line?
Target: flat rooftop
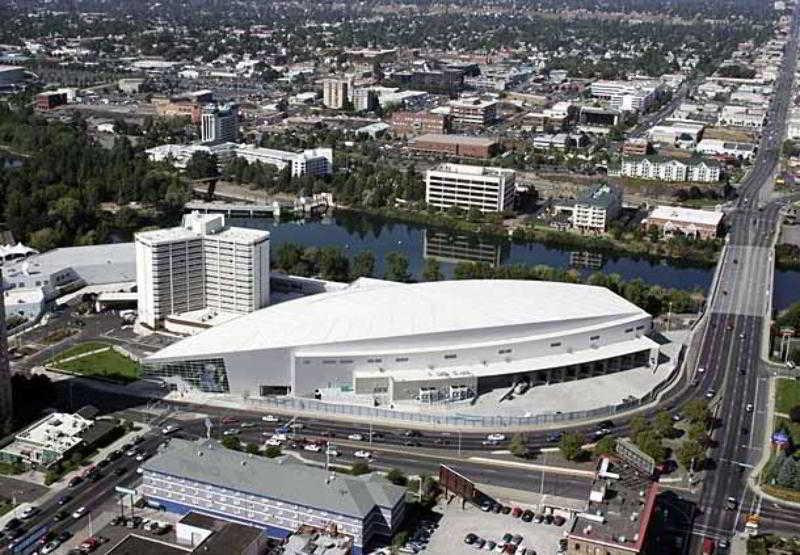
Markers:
<point>456,139</point>
<point>138,545</point>
<point>686,215</point>
<point>621,503</point>
<point>466,169</point>
<point>110,263</point>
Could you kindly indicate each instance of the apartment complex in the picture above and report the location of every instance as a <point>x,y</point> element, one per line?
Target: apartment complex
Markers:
<point>596,207</point>
<point>473,111</point>
<point>675,220</point>
<point>279,496</point>
<point>668,169</point>
<point>464,146</point>
<point>201,265</point>
<point>219,124</point>
<point>484,188</point>
<point>335,93</point>
<point>412,123</point>
<point>5,370</point>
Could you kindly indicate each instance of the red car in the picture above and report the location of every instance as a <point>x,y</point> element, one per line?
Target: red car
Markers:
<point>708,546</point>
<point>230,420</point>
<point>516,512</point>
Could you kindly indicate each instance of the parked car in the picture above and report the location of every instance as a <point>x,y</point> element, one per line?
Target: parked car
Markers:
<point>470,538</point>
<point>559,520</point>
<point>231,432</point>
<point>89,544</point>
<point>313,447</point>
<point>507,537</point>
<point>496,508</point>
<point>506,509</point>
<point>30,511</point>
<point>479,543</point>
<point>64,499</point>
<point>362,455</point>
<point>516,512</point>
<point>527,515</point>
<point>74,481</point>
<point>553,437</point>
<point>486,506</point>
<point>273,442</point>
<point>538,518</point>
<point>269,418</point>
<point>496,437</point>
<point>169,429</point>
<point>230,420</point>
<point>49,547</point>
<point>490,545</point>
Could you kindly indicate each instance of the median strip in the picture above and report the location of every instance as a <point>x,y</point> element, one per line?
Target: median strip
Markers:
<point>531,466</point>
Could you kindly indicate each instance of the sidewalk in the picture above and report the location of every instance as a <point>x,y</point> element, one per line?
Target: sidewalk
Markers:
<point>57,488</point>
<point>753,477</point>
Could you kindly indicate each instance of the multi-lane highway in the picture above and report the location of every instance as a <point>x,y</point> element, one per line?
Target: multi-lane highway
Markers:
<point>732,342</point>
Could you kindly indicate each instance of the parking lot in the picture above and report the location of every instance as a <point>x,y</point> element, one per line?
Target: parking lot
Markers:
<point>456,523</point>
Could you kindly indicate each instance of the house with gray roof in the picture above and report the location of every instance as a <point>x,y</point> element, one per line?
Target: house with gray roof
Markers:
<point>279,495</point>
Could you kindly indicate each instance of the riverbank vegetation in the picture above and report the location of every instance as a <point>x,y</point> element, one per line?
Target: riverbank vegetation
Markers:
<point>54,198</point>
<point>331,263</point>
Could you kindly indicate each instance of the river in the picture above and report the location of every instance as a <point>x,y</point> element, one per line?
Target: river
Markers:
<point>356,232</point>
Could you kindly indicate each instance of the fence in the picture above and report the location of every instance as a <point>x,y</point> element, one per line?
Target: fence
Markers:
<point>293,404</point>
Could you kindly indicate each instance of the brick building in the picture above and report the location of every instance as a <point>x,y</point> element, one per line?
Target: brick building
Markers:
<point>47,101</point>
<point>462,146</point>
<point>412,123</point>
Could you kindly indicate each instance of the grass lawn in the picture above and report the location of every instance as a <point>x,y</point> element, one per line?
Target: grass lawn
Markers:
<point>108,364</point>
<point>79,349</point>
<point>787,395</point>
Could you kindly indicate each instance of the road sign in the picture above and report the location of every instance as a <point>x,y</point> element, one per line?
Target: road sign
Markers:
<point>125,491</point>
<point>635,456</point>
<point>456,483</point>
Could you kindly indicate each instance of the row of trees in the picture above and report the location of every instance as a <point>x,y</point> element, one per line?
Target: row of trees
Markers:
<point>331,263</point>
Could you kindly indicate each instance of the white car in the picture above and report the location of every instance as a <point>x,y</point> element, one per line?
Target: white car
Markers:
<point>496,437</point>
<point>79,512</point>
<point>269,418</point>
<point>49,547</point>
<point>749,407</point>
<point>231,432</point>
<point>169,429</point>
<point>332,452</point>
<point>279,437</point>
<point>312,447</point>
<point>362,455</point>
<point>701,370</point>
<point>28,512</point>
<point>355,437</point>
<point>140,457</point>
<point>273,442</point>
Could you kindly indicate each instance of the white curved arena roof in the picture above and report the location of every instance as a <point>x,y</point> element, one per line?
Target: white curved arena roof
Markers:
<point>372,311</point>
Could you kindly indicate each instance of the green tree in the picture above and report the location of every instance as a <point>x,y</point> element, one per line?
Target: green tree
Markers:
<point>650,442</point>
<point>697,410</point>
<point>252,449</point>
<point>272,451</point>
<point>360,467</point>
<point>607,445</point>
<point>639,424</point>
<point>663,423</point>
<point>45,239</point>
<point>571,446</point>
<point>518,446</point>
<point>396,267</point>
<point>397,477</point>
<point>231,442</point>
<point>202,165</point>
<point>432,270</point>
<point>333,264</point>
<point>363,265</point>
<point>690,450</point>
